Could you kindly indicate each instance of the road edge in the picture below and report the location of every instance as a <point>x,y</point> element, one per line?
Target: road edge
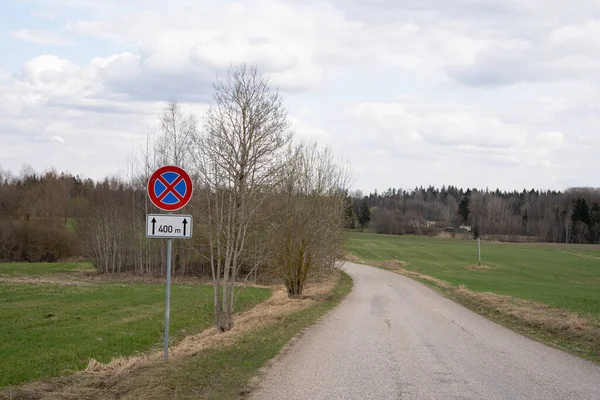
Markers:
<point>547,334</point>
<point>328,306</point>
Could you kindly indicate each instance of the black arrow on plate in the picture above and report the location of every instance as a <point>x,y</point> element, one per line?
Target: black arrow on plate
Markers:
<point>153,223</point>
<point>184,225</point>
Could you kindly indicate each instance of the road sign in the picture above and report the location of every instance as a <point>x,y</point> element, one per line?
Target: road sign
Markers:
<point>170,188</point>
<point>172,226</point>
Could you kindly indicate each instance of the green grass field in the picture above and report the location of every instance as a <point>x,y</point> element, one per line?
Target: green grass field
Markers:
<point>49,330</point>
<point>563,276</point>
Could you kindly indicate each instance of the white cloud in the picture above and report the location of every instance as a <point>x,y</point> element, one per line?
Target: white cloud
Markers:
<point>459,129</point>
<point>44,14</point>
<point>586,31</point>
<point>550,140</point>
<point>40,37</point>
<point>281,38</point>
<point>307,132</point>
<point>412,92</point>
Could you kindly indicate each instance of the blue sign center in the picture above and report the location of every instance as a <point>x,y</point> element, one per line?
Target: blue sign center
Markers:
<point>170,188</point>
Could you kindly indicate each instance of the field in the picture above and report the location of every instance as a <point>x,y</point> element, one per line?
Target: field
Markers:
<point>52,329</point>
<point>562,276</point>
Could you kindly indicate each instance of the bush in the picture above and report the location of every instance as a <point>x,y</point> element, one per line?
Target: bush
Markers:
<point>35,241</point>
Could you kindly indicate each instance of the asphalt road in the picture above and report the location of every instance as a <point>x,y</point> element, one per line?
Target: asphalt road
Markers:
<point>394,338</point>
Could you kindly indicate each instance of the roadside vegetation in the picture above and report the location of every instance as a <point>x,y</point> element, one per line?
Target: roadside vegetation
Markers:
<point>547,291</point>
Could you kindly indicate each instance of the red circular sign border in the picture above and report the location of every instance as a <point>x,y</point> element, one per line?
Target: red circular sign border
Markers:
<point>154,198</point>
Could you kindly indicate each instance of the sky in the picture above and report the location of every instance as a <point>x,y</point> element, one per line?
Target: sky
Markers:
<point>471,93</point>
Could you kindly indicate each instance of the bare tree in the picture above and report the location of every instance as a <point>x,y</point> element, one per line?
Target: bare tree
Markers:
<point>239,158</point>
<point>173,146</point>
<point>307,228</point>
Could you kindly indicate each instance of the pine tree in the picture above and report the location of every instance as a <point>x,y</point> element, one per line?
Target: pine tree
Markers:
<point>580,222</point>
<point>350,217</point>
<point>595,214</point>
<point>595,223</point>
<point>463,209</point>
<point>365,215</point>
<point>581,212</point>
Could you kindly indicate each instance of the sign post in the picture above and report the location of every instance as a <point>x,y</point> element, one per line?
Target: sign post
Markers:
<point>168,301</point>
<point>169,189</point>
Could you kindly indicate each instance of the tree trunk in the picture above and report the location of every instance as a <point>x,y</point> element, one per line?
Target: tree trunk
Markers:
<point>224,320</point>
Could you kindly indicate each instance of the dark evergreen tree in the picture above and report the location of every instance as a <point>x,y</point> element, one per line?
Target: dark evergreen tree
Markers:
<point>463,209</point>
<point>580,222</point>
<point>350,217</point>
<point>595,214</point>
<point>581,212</point>
<point>595,223</point>
<point>364,215</point>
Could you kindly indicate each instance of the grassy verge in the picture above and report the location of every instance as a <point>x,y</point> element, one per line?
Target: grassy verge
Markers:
<point>50,330</point>
<point>550,293</point>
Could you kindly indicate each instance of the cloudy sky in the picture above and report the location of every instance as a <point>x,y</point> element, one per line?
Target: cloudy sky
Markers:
<point>473,93</point>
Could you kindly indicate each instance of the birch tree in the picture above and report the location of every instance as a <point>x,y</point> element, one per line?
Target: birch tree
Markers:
<point>177,133</point>
<point>240,154</point>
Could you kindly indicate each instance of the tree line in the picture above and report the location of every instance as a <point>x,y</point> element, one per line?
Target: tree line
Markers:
<point>570,216</point>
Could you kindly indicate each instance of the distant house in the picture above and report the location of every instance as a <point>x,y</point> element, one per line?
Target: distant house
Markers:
<point>431,224</point>
<point>466,228</point>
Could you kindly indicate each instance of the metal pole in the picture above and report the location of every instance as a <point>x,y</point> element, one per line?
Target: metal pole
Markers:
<point>168,307</point>
<point>479,249</point>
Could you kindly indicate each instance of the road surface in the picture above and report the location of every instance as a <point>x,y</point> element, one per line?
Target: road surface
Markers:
<point>394,338</point>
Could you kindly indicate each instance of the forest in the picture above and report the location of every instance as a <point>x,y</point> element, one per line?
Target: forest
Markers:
<point>570,216</point>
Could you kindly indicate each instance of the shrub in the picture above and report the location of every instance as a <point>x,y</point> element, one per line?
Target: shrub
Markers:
<point>36,240</point>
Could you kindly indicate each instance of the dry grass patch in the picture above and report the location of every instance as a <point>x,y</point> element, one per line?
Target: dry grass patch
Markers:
<point>567,330</point>
<point>352,258</point>
<point>476,267</point>
<point>123,375</point>
<point>534,313</point>
<point>587,256</point>
<point>399,267</point>
<point>393,264</point>
<point>66,280</point>
<point>87,277</point>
